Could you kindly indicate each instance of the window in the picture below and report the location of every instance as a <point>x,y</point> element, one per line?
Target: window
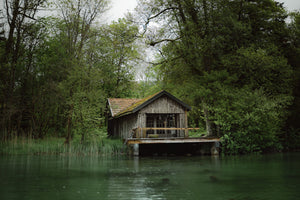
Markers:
<point>162,121</point>
<point>150,123</point>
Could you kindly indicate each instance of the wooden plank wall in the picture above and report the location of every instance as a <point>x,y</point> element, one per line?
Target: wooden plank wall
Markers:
<point>123,126</point>
<point>164,105</point>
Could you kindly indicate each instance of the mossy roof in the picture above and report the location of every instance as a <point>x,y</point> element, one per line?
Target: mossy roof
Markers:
<point>117,105</point>
<point>138,104</point>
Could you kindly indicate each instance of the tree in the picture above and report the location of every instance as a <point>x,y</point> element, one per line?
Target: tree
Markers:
<point>213,51</point>
<point>59,71</point>
<point>117,53</point>
<point>255,109</point>
<point>291,137</point>
<point>78,17</point>
<point>16,61</point>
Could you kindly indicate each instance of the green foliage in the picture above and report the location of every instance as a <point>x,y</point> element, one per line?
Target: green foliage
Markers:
<point>96,144</point>
<point>250,122</point>
<point>197,133</point>
<point>105,71</point>
<point>254,113</point>
<point>293,52</point>
<point>113,50</point>
<point>291,139</point>
<point>236,62</point>
<point>64,68</point>
<point>227,59</point>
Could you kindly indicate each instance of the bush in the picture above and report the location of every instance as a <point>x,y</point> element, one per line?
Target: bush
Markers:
<point>250,123</point>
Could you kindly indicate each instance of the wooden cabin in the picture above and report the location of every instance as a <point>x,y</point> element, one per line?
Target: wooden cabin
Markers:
<point>157,116</point>
<point>159,119</point>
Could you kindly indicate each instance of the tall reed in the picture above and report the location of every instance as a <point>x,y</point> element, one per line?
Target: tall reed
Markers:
<point>56,146</point>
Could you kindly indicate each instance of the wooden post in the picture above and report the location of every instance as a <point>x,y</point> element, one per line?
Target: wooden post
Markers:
<point>154,125</point>
<point>141,133</point>
<point>165,126</point>
<point>136,149</point>
<point>215,149</point>
<point>144,131</point>
<point>137,132</point>
<point>186,131</point>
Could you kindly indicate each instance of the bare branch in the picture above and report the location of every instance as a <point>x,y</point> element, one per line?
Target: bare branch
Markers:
<point>153,43</point>
<point>161,12</point>
<point>154,16</point>
<point>158,63</point>
<point>30,17</point>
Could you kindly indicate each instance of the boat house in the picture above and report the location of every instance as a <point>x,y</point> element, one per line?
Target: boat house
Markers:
<point>157,119</point>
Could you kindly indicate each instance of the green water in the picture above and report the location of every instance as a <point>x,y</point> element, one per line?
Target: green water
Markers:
<point>275,176</point>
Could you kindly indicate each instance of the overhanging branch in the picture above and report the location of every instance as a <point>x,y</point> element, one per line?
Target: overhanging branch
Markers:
<point>156,15</point>
<point>159,63</point>
<point>153,43</point>
<point>161,12</point>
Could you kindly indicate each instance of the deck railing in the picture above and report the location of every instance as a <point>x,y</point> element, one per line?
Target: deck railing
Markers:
<point>168,132</point>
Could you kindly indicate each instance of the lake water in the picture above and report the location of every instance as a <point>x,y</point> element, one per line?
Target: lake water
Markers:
<point>262,177</point>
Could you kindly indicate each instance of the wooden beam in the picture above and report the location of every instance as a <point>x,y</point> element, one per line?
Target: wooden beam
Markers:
<point>172,141</point>
<point>186,132</point>
<point>142,132</point>
<point>170,128</point>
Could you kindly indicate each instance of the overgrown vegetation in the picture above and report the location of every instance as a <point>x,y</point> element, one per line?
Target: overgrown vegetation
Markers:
<point>235,62</point>
<point>57,72</point>
<point>97,144</point>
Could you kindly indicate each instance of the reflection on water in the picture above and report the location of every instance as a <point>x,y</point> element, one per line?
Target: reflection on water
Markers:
<point>240,178</point>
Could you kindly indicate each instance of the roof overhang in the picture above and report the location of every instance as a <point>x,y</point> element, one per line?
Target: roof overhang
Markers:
<point>148,100</point>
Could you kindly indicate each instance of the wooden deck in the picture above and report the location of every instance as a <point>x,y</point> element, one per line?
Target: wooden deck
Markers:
<point>140,136</point>
<point>180,136</point>
<point>171,140</point>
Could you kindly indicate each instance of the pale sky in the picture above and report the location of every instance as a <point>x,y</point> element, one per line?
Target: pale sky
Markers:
<point>291,5</point>
<point>120,7</point>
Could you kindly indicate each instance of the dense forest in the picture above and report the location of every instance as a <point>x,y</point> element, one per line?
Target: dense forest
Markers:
<point>236,62</point>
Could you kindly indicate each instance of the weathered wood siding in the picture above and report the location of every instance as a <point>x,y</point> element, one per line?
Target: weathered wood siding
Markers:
<point>122,127</point>
<point>141,120</point>
<point>182,124</point>
<point>163,105</point>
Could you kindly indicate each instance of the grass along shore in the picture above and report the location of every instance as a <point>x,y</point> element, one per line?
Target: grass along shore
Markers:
<point>56,146</point>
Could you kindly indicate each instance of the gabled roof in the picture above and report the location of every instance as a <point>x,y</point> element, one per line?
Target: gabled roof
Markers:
<point>116,105</point>
<point>119,110</point>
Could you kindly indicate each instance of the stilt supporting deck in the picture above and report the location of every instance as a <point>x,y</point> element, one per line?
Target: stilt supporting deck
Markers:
<point>214,151</point>
<point>136,149</point>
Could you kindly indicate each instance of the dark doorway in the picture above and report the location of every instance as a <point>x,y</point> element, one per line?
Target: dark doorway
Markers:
<point>162,121</point>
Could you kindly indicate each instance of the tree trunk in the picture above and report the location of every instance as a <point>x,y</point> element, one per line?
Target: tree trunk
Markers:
<point>208,122</point>
<point>69,126</point>
<point>82,138</point>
